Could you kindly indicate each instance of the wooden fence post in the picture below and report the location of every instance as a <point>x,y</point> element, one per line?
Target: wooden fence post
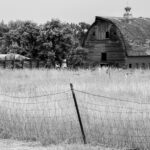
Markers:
<point>78,113</point>
<point>12,64</point>
<point>22,62</point>
<point>37,63</point>
<point>30,63</point>
<point>4,64</point>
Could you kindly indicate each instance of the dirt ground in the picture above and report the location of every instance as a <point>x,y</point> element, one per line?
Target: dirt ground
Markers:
<point>18,145</point>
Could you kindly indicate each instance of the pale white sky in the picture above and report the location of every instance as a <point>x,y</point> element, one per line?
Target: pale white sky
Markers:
<point>75,11</point>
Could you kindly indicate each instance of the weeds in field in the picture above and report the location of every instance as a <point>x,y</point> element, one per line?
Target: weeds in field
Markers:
<point>52,119</point>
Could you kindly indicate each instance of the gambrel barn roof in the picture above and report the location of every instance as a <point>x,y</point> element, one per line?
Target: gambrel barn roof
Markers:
<point>135,34</point>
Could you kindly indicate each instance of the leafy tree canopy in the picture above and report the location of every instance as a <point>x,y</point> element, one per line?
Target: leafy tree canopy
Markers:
<point>53,40</point>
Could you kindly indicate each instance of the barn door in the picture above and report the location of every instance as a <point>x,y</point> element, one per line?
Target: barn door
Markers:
<point>104,57</point>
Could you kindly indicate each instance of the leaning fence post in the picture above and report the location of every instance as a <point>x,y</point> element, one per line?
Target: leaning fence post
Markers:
<point>78,113</point>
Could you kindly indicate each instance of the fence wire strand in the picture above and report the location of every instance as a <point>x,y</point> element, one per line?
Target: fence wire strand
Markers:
<point>112,98</point>
<point>36,96</point>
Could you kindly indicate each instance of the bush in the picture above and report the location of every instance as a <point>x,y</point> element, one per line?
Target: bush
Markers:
<point>77,58</point>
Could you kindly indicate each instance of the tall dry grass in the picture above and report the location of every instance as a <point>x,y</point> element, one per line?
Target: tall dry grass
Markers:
<point>52,119</point>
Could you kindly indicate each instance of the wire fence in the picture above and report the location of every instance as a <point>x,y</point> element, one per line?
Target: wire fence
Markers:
<point>115,122</point>
<point>49,118</point>
<point>52,118</point>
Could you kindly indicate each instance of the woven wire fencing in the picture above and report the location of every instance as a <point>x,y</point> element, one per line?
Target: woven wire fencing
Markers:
<point>48,118</point>
<point>51,118</point>
<point>114,122</point>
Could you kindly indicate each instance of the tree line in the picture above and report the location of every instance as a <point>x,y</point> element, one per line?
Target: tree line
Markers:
<point>53,41</point>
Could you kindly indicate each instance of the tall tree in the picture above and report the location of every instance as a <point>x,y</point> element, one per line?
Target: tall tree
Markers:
<point>57,40</point>
<point>53,40</point>
<point>22,38</point>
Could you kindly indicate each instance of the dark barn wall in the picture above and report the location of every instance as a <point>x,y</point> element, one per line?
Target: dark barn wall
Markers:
<point>104,44</point>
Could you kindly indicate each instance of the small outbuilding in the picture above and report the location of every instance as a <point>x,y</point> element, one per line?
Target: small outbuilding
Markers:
<point>119,41</point>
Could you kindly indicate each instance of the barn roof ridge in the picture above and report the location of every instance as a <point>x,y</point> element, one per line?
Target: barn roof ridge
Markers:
<point>113,17</point>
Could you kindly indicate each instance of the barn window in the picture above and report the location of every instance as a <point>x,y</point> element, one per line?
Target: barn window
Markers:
<point>116,65</point>
<point>113,33</point>
<point>137,65</point>
<point>130,65</point>
<point>93,33</point>
<point>143,65</point>
<point>107,35</point>
<point>104,56</point>
<point>149,65</point>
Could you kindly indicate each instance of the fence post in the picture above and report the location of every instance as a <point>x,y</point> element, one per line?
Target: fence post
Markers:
<point>4,64</point>
<point>22,62</point>
<point>78,113</point>
<point>12,64</point>
<point>37,63</point>
<point>30,63</point>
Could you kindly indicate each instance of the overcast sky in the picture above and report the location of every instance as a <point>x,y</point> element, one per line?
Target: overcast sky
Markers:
<point>75,11</point>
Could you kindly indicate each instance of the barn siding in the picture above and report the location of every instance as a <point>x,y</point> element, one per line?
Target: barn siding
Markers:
<point>97,43</point>
<point>129,46</point>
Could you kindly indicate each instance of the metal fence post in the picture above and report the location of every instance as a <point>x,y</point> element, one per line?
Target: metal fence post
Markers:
<point>78,113</point>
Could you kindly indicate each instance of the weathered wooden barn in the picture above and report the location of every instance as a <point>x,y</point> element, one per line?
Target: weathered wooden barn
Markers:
<point>123,42</point>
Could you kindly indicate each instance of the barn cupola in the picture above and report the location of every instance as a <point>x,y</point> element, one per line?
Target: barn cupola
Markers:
<point>128,14</point>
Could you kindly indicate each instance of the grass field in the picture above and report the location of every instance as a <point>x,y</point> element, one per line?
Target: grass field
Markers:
<point>37,105</point>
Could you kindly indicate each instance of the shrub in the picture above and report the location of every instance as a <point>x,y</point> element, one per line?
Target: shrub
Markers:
<point>77,58</point>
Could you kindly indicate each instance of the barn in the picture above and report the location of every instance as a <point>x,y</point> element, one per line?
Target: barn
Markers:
<point>120,41</point>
